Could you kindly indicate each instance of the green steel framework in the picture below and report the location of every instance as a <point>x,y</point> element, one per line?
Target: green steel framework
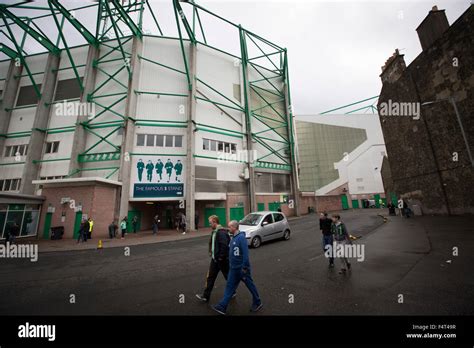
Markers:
<point>365,108</point>
<point>114,21</point>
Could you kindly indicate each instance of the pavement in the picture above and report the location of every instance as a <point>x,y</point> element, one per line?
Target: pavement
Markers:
<point>142,237</point>
<point>409,259</point>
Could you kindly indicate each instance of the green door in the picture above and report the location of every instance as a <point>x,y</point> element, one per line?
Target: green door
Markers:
<point>220,212</point>
<point>274,206</point>
<point>394,199</point>
<point>236,213</point>
<point>77,224</point>
<point>47,225</point>
<point>355,204</point>
<point>345,202</point>
<point>130,216</point>
<point>260,206</point>
<point>377,200</point>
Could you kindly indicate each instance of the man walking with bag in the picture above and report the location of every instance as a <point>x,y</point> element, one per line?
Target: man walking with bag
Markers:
<point>219,252</point>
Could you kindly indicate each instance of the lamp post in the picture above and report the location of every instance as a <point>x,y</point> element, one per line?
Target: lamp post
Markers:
<point>458,117</point>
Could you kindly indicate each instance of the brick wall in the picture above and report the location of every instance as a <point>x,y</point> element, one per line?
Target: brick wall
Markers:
<point>97,202</point>
<point>328,203</point>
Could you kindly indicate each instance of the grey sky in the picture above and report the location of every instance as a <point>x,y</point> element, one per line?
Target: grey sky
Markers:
<point>336,48</point>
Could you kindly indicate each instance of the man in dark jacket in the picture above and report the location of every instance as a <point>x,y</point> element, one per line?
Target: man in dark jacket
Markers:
<point>219,253</point>
<point>112,229</point>
<point>325,227</point>
<point>12,233</point>
<point>239,271</point>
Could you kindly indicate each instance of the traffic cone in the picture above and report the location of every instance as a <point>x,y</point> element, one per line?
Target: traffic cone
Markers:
<point>99,245</point>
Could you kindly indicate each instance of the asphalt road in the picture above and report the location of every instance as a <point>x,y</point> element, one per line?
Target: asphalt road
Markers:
<point>292,278</point>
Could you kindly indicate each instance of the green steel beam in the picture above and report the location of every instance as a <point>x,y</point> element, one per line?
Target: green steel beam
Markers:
<point>154,18</point>
<point>127,20</point>
<point>102,139</point>
<point>22,58</point>
<point>188,77</point>
<point>351,104</point>
<point>42,40</point>
<point>68,52</point>
<point>188,28</point>
<point>162,65</point>
<point>90,38</point>
<point>222,95</point>
<point>8,51</point>
<point>263,52</point>
<point>116,30</point>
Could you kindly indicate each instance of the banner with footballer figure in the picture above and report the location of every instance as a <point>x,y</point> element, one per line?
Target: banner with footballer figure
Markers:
<point>158,177</point>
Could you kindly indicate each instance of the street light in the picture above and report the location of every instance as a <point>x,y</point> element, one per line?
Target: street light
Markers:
<point>458,116</point>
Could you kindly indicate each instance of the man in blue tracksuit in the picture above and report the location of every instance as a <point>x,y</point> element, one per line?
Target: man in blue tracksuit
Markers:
<point>239,271</point>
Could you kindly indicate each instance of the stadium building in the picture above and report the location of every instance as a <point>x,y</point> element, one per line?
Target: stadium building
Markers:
<point>106,113</point>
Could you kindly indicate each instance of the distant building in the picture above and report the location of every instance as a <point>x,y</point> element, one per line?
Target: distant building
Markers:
<point>429,145</point>
<point>341,156</point>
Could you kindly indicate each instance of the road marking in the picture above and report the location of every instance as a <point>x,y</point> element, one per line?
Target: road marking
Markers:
<point>314,258</point>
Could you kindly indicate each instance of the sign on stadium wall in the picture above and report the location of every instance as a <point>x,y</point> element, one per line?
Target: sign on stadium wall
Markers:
<point>158,177</point>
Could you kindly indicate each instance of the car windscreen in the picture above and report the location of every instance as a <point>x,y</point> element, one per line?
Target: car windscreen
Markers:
<point>251,219</point>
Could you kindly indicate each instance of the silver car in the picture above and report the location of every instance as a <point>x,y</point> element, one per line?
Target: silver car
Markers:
<point>263,226</point>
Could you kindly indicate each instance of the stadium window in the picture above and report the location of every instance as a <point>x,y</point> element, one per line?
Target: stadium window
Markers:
<point>213,145</point>
<point>160,140</point>
<point>178,141</point>
<point>68,89</point>
<point>169,141</point>
<point>233,148</point>
<point>205,144</point>
<point>220,146</point>
<point>27,95</point>
<point>140,139</point>
<point>7,185</point>
<point>15,185</point>
<point>52,147</point>
<point>150,140</point>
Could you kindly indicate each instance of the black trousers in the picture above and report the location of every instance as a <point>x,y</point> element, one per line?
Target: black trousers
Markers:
<point>214,268</point>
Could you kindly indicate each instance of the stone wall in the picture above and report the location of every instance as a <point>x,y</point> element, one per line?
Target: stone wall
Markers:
<point>428,156</point>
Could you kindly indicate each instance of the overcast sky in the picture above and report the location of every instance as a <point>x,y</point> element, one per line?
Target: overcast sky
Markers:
<point>335,48</point>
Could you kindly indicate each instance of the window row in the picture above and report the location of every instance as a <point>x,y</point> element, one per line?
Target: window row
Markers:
<point>52,147</point>
<point>65,90</point>
<point>10,184</point>
<point>16,150</point>
<point>53,177</point>
<point>218,146</point>
<point>160,140</point>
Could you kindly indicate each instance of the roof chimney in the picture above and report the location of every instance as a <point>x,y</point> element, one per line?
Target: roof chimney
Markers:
<point>432,27</point>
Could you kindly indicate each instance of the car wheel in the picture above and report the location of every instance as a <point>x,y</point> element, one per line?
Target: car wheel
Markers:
<point>286,235</point>
<point>256,241</point>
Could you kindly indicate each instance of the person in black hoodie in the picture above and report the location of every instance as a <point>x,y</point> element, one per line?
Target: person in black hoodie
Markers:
<point>325,227</point>
<point>219,253</point>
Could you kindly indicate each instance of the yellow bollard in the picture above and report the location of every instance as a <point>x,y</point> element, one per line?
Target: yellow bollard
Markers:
<point>99,245</point>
